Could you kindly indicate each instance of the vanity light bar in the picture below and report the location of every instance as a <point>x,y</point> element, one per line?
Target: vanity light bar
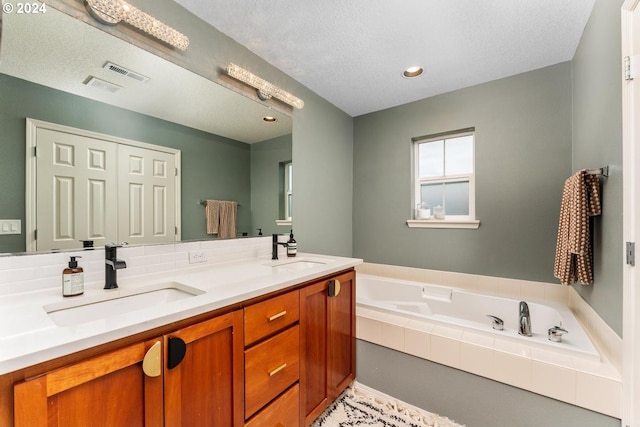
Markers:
<point>111,12</point>
<point>266,90</point>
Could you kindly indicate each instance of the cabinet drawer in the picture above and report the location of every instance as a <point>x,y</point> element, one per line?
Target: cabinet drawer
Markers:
<point>284,411</point>
<point>265,318</point>
<point>270,368</point>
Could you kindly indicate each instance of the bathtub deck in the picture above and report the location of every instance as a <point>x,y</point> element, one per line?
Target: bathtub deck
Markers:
<point>591,384</point>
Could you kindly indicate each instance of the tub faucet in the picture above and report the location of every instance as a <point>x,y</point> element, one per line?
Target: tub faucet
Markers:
<point>274,246</point>
<point>111,265</point>
<point>525,320</point>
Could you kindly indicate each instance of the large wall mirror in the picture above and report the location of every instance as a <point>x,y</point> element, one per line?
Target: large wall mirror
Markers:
<point>55,68</point>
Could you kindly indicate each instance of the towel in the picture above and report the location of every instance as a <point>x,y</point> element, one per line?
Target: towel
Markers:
<point>580,200</point>
<point>212,211</point>
<point>221,218</point>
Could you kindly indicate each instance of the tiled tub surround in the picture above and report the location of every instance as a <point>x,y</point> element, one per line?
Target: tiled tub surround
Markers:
<point>588,383</point>
<point>236,270</point>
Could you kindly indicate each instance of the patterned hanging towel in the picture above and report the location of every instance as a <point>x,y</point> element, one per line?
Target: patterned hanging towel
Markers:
<point>580,200</point>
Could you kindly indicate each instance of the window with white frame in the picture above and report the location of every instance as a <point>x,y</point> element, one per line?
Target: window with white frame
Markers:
<point>285,194</point>
<point>288,192</point>
<point>444,189</point>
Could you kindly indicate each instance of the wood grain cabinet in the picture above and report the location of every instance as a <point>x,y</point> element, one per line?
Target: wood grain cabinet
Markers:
<point>327,343</point>
<point>274,361</point>
<point>192,377</point>
<point>272,337</point>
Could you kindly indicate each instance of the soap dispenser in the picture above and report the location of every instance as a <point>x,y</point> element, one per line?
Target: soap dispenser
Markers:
<point>292,246</point>
<point>72,279</point>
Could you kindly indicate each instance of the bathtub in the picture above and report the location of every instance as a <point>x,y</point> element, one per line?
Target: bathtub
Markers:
<point>468,310</point>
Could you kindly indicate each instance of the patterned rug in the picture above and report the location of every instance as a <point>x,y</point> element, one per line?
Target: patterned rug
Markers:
<point>360,406</point>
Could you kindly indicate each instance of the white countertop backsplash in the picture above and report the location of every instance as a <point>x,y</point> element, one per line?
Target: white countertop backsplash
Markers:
<point>236,270</point>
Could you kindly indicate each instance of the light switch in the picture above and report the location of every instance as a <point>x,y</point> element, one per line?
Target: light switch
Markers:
<point>10,226</point>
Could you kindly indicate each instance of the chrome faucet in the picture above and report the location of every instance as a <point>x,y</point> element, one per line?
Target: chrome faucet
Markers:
<point>525,320</point>
<point>274,246</point>
<point>111,265</point>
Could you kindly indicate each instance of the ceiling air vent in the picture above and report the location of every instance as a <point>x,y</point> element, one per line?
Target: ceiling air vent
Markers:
<point>110,66</point>
<point>104,85</point>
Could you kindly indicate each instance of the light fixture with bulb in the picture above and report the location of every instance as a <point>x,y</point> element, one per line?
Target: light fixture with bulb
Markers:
<point>111,12</point>
<point>266,90</point>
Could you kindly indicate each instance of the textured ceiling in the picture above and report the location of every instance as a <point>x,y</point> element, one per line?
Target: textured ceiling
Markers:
<point>61,52</point>
<point>352,53</point>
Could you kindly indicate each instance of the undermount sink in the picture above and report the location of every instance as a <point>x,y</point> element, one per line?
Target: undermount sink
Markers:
<point>87,309</point>
<point>298,264</point>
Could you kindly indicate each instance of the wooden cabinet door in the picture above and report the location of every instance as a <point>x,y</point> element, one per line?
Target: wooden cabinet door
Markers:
<point>107,390</point>
<point>327,343</point>
<point>313,351</point>
<point>206,386</point>
<point>341,333</point>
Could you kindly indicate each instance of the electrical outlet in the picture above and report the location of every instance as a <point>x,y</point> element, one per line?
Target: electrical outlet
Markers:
<point>10,226</point>
<point>196,257</point>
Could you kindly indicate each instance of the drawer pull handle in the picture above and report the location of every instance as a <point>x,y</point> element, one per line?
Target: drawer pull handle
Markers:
<point>277,316</point>
<point>278,369</point>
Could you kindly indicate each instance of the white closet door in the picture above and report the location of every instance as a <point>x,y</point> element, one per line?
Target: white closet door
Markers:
<point>76,186</point>
<point>147,193</point>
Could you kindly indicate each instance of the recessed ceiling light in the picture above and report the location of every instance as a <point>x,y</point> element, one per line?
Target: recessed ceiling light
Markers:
<point>269,119</point>
<point>412,72</point>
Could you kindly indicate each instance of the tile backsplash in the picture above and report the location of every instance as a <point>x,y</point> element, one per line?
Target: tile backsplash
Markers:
<point>26,273</point>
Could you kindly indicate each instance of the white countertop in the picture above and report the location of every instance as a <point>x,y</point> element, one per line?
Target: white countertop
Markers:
<point>28,335</point>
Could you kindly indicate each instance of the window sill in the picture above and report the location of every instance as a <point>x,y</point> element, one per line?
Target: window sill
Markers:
<point>443,223</point>
<point>286,222</point>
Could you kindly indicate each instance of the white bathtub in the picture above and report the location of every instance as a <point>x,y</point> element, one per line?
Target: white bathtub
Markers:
<point>465,309</point>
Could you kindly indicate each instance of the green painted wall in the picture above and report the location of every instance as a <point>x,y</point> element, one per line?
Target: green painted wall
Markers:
<point>212,166</point>
<point>522,155</point>
<point>266,157</point>
<point>322,135</point>
<point>323,160</point>
<point>597,141</point>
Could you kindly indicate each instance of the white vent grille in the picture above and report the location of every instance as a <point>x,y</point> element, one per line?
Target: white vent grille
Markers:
<point>110,66</point>
<point>102,85</point>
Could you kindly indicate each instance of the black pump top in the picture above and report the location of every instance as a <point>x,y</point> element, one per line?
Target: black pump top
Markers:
<point>73,263</point>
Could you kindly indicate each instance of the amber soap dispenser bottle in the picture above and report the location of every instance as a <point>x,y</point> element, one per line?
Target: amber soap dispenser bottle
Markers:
<point>292,246</point>
<point>72,279</point>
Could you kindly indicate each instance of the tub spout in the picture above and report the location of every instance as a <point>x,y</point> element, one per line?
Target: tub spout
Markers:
<point>525,320</point>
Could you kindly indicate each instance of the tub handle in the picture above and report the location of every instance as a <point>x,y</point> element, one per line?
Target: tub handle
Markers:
<point>497,323</point>
<point>555,333</point>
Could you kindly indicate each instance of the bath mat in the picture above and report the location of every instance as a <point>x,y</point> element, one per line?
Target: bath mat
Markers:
<point>360,406</point>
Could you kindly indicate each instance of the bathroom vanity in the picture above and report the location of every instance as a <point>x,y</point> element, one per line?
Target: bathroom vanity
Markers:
<point>276,355</point>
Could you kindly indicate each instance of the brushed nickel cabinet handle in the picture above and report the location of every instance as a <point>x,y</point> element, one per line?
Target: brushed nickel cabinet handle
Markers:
<point>151,365</point>
<point>278,369</point>
<point>277,316</point>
